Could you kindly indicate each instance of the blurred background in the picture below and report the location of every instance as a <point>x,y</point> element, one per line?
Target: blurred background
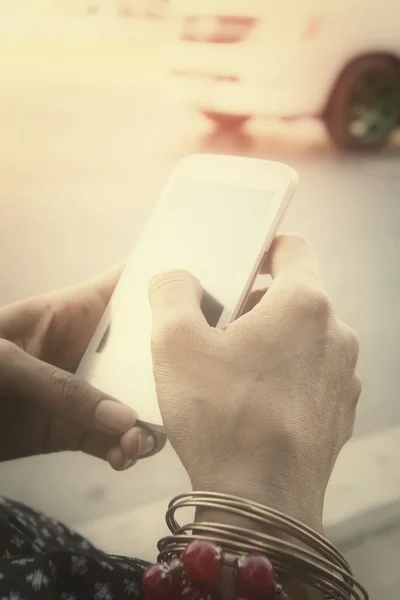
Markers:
<point>100,98</point>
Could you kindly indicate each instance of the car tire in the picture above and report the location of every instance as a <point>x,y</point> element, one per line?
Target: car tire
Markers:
<point>364,107</point>
<point>226,121</point>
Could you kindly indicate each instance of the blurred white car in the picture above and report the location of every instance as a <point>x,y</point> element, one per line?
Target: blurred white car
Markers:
<point>338,60</point>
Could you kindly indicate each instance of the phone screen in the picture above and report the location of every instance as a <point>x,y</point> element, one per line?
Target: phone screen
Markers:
<point>209,229</point>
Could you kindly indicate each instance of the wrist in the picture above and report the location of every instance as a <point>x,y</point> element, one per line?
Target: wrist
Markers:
<point>295,562</point>
<point>258,494</point>
<point>276,495</point>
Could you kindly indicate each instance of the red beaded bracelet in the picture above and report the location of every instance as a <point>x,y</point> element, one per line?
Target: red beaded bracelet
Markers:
<point>190,560</point>
<point>193,576</point>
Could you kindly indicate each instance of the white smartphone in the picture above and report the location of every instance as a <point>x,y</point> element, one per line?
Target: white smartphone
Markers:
<point>216,218</point>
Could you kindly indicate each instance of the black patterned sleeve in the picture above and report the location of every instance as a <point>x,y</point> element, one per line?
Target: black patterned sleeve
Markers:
<point>41,559</point>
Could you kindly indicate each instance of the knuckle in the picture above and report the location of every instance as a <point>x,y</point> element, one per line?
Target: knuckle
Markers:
<point>358,386</point>
<point>69,389</point>
<point>351,343</point>
<point>354,343</point>
<point>322,304</point>
<point>169,278</point>
<point>310,301</point>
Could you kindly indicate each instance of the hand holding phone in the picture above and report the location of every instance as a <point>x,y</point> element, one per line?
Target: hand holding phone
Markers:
<point>216,218</point>
<point>262,409</point>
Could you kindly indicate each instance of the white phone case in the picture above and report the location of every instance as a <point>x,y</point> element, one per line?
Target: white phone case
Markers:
<point>220,234</point>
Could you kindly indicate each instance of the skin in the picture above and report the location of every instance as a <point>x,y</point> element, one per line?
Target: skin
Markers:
<point>44,406</point>
<point>261,409</point>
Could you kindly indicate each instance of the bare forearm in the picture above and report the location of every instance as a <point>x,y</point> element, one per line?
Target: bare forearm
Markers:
<point>294,589</point>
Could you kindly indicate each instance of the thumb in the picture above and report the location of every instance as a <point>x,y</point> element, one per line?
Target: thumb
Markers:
<point>175,299</point>
<point>176,295</point>
<point>60,392</point>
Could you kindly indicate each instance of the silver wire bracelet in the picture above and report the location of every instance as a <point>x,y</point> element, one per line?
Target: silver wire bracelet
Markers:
<point>298,553</point>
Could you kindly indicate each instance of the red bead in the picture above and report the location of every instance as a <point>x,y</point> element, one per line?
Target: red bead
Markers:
<point>159,583</point>
<point>255,577</point>
<point>201,561</point>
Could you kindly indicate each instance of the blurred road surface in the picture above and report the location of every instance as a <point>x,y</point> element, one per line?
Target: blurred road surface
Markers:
<point>82,160</point>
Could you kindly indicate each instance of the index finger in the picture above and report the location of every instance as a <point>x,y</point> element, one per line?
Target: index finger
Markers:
<point>292,253</point>
<point>61,393</point>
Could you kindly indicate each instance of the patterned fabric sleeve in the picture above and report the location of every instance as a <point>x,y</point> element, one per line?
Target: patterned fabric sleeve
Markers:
<point>41,559</point>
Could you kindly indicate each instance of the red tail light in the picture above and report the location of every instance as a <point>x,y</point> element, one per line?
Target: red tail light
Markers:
<point>217,29</point>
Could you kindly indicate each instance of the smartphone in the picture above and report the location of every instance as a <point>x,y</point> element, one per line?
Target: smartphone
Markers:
<point>216,218</point>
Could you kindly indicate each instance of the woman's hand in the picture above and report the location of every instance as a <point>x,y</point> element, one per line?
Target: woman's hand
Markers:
<point>43,406</point>
<point>262,408</point>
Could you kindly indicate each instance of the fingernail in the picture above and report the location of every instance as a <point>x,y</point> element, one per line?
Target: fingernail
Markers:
<point>128,462</point>
<point>114,415</point>
<point>146,445</point>
<point>117,460</point>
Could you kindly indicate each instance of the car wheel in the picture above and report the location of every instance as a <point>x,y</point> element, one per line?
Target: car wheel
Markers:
<point>364,107</point>
<point>226,121</point>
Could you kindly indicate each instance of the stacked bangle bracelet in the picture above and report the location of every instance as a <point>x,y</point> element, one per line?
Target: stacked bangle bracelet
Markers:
<point>191,558</point>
